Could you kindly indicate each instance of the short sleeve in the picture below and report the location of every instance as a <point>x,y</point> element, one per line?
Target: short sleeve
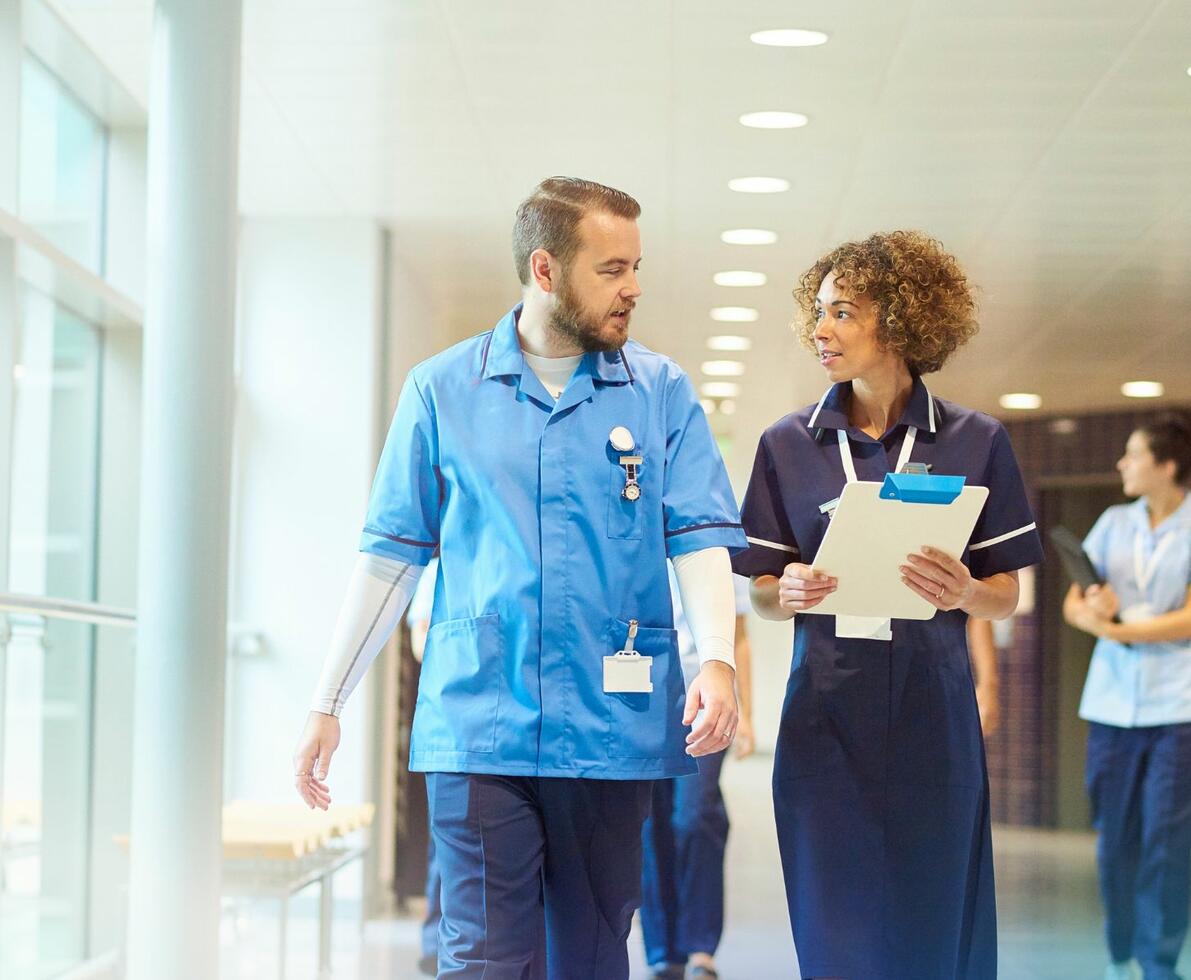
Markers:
<point>1096,543</point>
<point>403,510</point>
<point>771,541</point>
<point>1006,536</point>
<point>699,508</point>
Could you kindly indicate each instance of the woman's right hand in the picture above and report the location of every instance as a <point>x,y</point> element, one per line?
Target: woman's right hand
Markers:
<point>1102,600</point>
<point>801,587</point>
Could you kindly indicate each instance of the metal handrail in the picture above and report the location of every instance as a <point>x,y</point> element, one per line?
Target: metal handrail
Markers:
<point>51,608</point>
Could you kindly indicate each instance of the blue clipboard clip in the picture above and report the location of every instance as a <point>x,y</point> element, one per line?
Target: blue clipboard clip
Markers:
<point>921,488</point>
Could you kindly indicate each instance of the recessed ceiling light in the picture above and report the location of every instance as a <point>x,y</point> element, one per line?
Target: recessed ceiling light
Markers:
<point>1021,400</point>
<point>1064,427</point>
<point>789,38</point>
<point>1143,389</point>
<point>719,389</point>
<point>735,314</point>
<point>1189,69</point>
<point>707,405</point>
<point>748,236</point>
<point>729,341</point>
<point>727,407</point>
<point>774,120</point>
<point>740,277</point>
<point>18,372</point>
<point>759,185</point>
<point>722,369</point>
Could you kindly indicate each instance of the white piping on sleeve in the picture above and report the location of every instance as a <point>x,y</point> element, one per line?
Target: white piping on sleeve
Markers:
<point>1003,537</point>
<point>761,542</point>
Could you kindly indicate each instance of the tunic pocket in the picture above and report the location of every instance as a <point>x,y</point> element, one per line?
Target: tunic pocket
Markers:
<point>459,691</point>
<point>649,726</point>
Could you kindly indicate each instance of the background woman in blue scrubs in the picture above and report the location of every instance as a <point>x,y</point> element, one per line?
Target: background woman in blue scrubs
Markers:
<point>1138,700</point>
<point>880,785</point>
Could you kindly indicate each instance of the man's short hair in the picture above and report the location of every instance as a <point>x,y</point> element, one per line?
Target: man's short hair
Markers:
<point>549,218</point>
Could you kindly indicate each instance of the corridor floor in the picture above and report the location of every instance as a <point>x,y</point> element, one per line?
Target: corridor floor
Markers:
<point>1048,910</point>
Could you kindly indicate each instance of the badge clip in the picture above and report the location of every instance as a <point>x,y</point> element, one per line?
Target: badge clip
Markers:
<point>632,489</point>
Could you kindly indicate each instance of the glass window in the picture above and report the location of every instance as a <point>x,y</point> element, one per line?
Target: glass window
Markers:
<point>63,157</point>
<point>55,448</point>
<point>47,666</point>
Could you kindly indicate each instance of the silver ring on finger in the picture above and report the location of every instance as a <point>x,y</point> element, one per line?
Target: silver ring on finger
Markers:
<point>942,589</point>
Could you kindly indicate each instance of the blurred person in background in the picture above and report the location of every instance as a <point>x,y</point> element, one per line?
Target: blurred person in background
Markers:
<point>1137,698</point>
<point>682,887</point>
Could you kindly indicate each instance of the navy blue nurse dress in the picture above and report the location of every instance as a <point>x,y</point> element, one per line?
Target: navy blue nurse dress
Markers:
<point>880,783</point>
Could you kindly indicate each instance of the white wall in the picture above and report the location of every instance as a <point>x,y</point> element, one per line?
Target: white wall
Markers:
<point>304,456</point>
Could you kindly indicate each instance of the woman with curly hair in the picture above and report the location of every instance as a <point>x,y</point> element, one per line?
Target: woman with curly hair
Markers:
<point>880,785</point>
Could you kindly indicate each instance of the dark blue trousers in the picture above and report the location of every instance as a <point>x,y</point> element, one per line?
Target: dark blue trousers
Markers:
<point>682,887</point>
<point>1139,780</point>
<point>540,877</point>
<point>433,903</point>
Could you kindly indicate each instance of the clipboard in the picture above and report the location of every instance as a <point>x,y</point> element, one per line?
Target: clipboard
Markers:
<point>876,525</point>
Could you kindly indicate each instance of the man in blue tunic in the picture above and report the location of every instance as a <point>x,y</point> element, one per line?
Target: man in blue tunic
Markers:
<point>554,466</point>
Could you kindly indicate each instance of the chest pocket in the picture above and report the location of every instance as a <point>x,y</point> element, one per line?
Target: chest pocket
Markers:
<point>625,517</point>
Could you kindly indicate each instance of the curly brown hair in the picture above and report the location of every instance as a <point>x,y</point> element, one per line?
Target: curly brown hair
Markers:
<point>925,307</point>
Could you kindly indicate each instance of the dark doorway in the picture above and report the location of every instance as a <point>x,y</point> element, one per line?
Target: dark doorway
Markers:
<point>1068,651</point>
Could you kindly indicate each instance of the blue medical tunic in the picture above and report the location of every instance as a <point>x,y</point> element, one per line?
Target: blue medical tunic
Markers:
<point>543,562</point>
<point>880,784</point>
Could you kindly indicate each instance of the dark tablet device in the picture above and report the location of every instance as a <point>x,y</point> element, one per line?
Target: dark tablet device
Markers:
<point>1075,559</point>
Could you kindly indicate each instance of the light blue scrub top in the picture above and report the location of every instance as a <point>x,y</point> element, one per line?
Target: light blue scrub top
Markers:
<point>1145,683</point>
<point>542,561</point>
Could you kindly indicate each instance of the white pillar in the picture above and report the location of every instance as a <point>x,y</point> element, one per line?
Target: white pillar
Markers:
<point>173,921</point>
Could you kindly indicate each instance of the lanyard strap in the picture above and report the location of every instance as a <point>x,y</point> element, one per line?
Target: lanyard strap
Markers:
<point>1145,570</point>
<point>845,452</point>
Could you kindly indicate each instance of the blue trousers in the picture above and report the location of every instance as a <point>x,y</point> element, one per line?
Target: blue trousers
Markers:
<point>540,877</point>
<point>1139,780</point>
<point>682,887</point>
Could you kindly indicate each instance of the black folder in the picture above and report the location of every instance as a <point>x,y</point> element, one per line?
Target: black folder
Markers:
<point>1075,559</point>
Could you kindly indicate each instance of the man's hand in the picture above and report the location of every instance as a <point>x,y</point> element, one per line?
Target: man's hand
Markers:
<point>312,759</point>
<point>746,739</point>
<point>714,692</point>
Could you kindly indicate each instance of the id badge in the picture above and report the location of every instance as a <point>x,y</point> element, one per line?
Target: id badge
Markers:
<point>863,628</point>
<point>627,673</point>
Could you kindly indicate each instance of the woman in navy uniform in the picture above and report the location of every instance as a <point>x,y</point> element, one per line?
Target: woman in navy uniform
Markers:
<point>880,784</point>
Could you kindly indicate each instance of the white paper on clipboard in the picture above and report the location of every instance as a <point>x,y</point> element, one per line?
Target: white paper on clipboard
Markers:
<point>869,539</point>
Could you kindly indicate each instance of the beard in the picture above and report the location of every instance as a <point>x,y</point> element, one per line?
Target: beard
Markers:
<point>585,329</point>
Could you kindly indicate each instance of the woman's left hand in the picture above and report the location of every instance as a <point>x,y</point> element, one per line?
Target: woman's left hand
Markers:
<point>941,580</point>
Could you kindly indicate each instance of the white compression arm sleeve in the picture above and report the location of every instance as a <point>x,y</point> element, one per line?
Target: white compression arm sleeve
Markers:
<point>377,594</point>
<point>705,589</point>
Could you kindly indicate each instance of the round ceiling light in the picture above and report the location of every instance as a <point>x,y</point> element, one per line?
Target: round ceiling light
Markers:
<point>759,185</point>
<point>728,341</point>
<point>735,314</point>
<point>1021,400</point>
<point>774,120</point>
<point>748,236</point>
<point>789,38</point>
<point>1143,389</point>
<point>740,277</point>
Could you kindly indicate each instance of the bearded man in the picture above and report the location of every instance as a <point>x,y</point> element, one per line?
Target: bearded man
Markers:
<point>554,466</point>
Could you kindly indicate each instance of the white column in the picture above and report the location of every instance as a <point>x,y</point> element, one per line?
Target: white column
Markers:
<point>173,921</point>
